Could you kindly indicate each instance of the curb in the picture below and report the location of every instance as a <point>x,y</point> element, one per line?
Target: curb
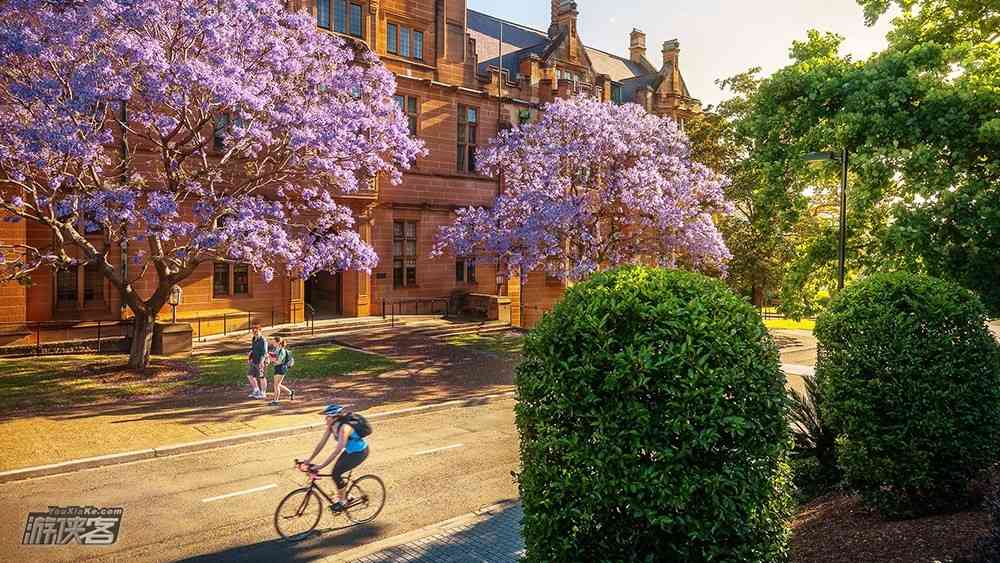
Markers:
<point>418,534</point>
<point>202,445</point>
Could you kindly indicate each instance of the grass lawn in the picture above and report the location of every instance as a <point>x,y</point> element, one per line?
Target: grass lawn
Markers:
<point>804,324</point>
<point>315,362</point>
<point>498,343</point>
<point>48,381</point>
<point>37,383</point>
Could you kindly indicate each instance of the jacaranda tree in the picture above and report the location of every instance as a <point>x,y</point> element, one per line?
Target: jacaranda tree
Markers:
<point>593,185</point>
<point>242,123</point>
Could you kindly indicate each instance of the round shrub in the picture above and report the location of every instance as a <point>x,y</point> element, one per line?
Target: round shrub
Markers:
<point>651,409</point>
<point>911,378</point>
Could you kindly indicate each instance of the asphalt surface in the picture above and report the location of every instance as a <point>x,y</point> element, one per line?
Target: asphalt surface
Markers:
<point>219,505</point>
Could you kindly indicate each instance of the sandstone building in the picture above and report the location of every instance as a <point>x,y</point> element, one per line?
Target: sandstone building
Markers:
<point>462,75</point>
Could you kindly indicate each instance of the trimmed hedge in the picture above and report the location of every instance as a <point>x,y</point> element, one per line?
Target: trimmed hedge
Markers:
<point>911,378</point>
<point>651,408</point>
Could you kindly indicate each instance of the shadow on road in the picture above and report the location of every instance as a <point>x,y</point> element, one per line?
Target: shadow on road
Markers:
<point>323,543</point>
<point>496,538</point>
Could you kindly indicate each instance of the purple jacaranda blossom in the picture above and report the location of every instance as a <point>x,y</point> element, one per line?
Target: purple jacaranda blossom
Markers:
<point>245,123</point>
<point>593,185</point>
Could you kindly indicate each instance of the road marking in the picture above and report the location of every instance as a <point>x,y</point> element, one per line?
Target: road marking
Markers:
<point>439,449</point>
<point>238,493</point>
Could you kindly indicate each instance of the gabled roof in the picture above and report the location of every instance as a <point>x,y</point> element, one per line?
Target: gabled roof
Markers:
<point>520,41</point>
<point>614,66</point>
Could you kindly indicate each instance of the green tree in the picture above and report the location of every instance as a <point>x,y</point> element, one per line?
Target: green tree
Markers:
<point>922,122</point>
<point>759,244</point>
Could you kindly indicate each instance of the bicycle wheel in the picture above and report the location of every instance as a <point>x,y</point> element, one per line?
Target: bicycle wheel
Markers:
<point>365,499</point>
<point>298,514</point>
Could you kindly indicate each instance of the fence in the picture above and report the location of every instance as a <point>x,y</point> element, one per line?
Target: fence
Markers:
<point>773,313</point>
<point>229,323</point>
<point>72,336</point>
<point>56,337</point>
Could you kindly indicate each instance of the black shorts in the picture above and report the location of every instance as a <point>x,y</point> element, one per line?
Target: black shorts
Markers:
<point>345,463</point>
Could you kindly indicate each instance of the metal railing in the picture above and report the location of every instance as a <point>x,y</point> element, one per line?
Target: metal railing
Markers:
<point>401,307</point>
<point>61,336</point>
<point>53,337</point>
<point>244,321</point>
<point>773,313</point>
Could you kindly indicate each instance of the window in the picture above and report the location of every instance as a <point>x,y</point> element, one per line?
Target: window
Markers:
<point>241,279</point>
<point>418,45</point>
<point>339,15</point>
<point>80,286</point>
<point>524,116</point>
<point>404,41</point>
<point>616,94</point>
<point>404,253</point>
<point>468,123</point>
<point>219,131</point>
<point>357,19</point>
<point>220,280</point>
<point>93,284</point>
<point>66,287</point>
<point>465,271</point>
<point>347,17</point>
<point>392,35</point>
<point>230,280</point>
<point>323,13</point>
<point>411,108</point>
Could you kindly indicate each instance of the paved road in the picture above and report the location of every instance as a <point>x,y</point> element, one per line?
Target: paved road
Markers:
<point>170,514</point>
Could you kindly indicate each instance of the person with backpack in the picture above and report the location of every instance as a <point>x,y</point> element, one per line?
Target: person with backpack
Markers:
<point>283,360</point>
<point>351,450</point>
<point>256,364</point>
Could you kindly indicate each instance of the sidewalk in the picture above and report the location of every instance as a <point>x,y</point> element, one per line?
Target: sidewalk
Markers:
<point>493,536</point>
<point>432,372</point>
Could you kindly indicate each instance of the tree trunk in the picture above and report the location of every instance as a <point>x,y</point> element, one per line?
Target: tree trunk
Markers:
<point>758,295</point>
<point>142,340</point>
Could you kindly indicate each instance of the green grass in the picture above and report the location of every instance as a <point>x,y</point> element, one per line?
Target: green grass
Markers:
<point>32,384</point>
<point>501,344</point>
<point>316,362</point>
<point>50,381</point>
<point>804,324</point>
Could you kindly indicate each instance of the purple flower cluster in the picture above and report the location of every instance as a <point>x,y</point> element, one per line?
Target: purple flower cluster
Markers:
<point>594,185</point>
<point>244,123</point>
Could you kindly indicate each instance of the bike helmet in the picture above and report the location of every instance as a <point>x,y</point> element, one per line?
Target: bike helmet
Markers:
<point>333,410</point>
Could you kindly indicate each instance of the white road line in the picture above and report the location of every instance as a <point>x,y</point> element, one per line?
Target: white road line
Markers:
<point>238,493</point>
<point>439,449</point>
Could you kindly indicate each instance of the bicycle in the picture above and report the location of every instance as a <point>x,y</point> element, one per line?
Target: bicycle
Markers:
<point>300,511</point>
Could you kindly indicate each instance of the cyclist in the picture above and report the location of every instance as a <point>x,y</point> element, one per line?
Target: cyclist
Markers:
<point>351,450</point>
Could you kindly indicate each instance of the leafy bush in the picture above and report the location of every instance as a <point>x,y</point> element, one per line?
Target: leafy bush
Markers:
<point>814,460</point>
<point>652,414</point>
<point>911,378</point>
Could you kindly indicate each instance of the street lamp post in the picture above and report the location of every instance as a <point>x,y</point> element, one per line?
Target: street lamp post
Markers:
<point>842,239</point>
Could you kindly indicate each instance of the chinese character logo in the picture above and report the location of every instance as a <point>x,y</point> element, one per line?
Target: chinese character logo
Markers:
<point>85,525</point>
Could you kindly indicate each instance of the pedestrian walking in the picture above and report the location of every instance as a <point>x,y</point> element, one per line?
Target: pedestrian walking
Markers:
<point>256,364</point>
<point>283,361</point>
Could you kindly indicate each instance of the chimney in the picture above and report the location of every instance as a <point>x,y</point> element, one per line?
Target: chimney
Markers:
<point>636,46</point>
<point>564,14</point>
<point>671,51</point>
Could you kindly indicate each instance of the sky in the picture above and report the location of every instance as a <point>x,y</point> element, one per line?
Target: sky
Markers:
<point>718,38</point>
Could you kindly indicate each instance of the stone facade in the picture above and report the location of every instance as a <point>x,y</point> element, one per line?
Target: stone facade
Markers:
<point>456,76</point>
